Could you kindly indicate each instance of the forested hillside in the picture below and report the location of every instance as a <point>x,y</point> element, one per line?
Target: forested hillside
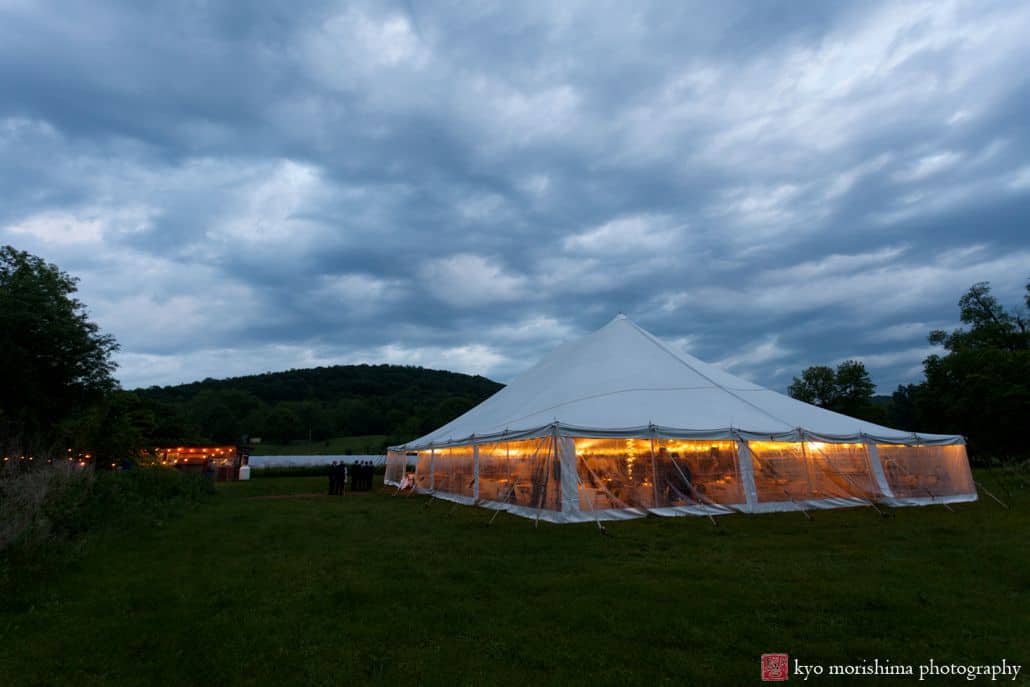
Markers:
<point>314,404</point>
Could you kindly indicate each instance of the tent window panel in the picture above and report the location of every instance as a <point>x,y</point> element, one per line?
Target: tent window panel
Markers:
<point>781,471</point>
<point>926,471</point>
<point>690,473</point>
<point>522,473</point>
<point>614,473</point>
<point>441,475</point>
<point>422,469</point>
<point>454,470</point>
<point>840,470</point>
<point>396,466</point>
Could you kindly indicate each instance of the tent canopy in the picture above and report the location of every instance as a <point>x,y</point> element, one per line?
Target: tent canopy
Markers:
<point>618,425</point>
<point>623,381</point>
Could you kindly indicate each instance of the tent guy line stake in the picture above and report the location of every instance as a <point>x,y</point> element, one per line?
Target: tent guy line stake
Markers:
<point>796,504</point>
<point>926,489</point>
<point>1000,502</point>
<point>508,495</point>
<point>934,496</point>
<point>1002,484</point>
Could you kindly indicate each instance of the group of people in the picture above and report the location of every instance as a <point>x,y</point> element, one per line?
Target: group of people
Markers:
<point>360,476</point>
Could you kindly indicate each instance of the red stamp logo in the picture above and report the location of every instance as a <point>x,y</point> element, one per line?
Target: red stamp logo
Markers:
<point>774,667</point>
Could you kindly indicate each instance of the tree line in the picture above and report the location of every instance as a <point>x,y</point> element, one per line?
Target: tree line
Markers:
<point>978,385</point>
<point>60,396</point>
<point>401,402</point>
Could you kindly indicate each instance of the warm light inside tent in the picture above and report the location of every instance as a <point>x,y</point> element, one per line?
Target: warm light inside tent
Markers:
<point>789,471</point>
<point>657,473</point>
<point>926,471</point>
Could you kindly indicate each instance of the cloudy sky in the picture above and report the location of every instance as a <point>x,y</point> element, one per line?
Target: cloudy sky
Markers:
<point>766,185</point>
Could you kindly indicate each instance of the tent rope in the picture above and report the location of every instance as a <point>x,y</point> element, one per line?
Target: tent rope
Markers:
<point>923,487</point>
<point>869,493</point>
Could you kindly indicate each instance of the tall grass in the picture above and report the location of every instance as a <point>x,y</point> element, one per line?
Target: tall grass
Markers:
<point>47,512</point>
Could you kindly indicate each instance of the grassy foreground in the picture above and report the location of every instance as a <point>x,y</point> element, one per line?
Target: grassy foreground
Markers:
<point>294,589</point>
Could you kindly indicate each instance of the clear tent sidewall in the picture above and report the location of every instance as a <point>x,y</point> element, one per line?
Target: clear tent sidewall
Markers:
<point>569,474</point>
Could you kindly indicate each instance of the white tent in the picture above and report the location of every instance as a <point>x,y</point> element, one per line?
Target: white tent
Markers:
<point>618,425</point>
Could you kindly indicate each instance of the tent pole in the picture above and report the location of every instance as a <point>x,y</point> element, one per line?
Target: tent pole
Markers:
<point>873,458</point>
<point>547,466</point>
<point>654,468</point>
<point>746,472</point>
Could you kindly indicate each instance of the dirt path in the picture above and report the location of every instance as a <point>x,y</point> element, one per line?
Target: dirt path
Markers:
<point>312,495</point>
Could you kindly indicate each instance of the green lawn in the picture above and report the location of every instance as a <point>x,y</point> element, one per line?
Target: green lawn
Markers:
<point>369,443</point>
<point>381,589</point>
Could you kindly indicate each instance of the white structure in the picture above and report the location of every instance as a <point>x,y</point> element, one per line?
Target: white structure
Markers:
<point>618,425</point>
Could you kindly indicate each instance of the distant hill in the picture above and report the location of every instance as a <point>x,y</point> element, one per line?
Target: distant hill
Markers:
<point>400,402</point>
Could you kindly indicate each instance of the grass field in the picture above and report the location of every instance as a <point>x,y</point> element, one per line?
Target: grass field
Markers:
<point>266,586</point>
<point>369,443</point>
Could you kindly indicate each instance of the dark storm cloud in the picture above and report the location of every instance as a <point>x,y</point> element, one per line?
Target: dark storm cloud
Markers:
<point>766,185</point>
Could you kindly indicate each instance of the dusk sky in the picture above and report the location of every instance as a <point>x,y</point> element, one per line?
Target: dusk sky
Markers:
<point>245,187</point>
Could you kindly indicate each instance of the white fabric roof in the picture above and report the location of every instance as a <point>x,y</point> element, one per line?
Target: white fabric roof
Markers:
<point>623,381</point>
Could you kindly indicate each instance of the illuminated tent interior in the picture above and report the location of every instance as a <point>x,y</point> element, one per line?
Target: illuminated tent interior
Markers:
<point>618,425</point>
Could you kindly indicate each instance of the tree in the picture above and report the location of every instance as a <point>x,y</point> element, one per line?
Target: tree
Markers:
<point>980,387</point>
<point>283,425</point>
<point>114,429</point>
<point>903,408</point>
<point>55,360</point>
<point>854,388</point>
<point>990,325</point>
<point>816,386</point>
<point>847,390</point>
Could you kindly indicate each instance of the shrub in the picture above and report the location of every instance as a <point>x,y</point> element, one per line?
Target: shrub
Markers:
<point>46,511</point>
<point>38,505</point>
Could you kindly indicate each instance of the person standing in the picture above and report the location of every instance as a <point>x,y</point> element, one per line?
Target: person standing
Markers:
<point>332,478</point>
